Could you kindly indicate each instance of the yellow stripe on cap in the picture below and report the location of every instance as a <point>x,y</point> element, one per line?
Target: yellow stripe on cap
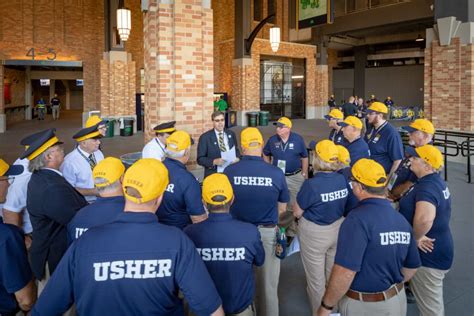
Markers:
<point>166,130</point>
<point>88,136</point>
<point>3,167</point>
<point>43,148</point>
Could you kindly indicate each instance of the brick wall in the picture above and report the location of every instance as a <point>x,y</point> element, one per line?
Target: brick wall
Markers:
<point>134,45</point>
<point>246,79</point>
<point>178,65</point>
<point>118,83</point>
<point>74,29</point>
<point>448,85</point>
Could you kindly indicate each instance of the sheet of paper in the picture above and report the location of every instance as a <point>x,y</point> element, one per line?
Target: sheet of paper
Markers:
<point>294,246</point>
<point>229,157</point>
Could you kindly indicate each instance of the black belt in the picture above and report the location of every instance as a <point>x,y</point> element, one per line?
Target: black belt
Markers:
<point>268,226</point>
<point>292,173</point>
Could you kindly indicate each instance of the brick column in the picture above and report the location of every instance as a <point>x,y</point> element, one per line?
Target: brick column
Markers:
<point>449,85</point>
<point>3,119</point>
<point>179,79</point>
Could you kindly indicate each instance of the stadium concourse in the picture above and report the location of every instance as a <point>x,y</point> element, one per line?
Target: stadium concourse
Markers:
<point>458,285</point>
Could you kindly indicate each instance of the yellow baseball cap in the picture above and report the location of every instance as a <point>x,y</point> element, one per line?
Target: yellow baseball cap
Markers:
<point>95,120</point>
<point>352,121</point>
<point>283,122</point>
<point>334,114</point>
<point>110,169</point>
<point>251,136</point>
<point>369,172</point>
<point>149,177</point>
<point>216,189</point>
<point>343,155</point>
<point>420,125</point>
<point>179,140</point>
<point>327,150</point>
<point>429,153</point>
<point>378,107</point>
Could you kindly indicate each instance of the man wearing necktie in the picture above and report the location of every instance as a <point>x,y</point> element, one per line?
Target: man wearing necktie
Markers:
<point>78,164</point>
<point>213,143</point>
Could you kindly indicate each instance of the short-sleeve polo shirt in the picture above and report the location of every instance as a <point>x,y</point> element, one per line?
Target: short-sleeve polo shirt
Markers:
<point>15,272</point>
<point>134,266</point>
<point>291,152</point>
<point>229,249</point>
<point>323,197</point>
<point>376,242</point>
<point>385,145</point>
<point>258,187</point>
<point>433,189</point>
<point>182,197</point>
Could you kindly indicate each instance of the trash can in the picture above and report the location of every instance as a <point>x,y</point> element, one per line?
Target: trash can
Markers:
<point>110,128</point>
<point>127,128</point>
<point>252,118</point>
<point>130,158</point>
<point>263,118</point>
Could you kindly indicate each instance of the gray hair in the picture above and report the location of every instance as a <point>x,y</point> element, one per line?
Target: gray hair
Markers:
<point>175,154</point>
<point>320,165</point>
<point>108,188</point>
<point>39,162</point>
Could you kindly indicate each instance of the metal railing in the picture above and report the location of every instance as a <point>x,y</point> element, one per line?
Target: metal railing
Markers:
<point>451,148</point>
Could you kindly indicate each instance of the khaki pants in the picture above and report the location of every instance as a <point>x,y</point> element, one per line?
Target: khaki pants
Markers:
<point>396,306</point>
<point>249,311</point>
<point>268,275</point>
<point>427,286</point>
<point>55,111</point>
<point>318,249</point>
<point>286,219</point>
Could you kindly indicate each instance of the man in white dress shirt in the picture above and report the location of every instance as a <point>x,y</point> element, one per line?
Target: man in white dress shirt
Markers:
<point>78,164</point>
<point>155,148</point>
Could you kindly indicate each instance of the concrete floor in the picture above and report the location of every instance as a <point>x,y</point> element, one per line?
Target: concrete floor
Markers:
<point>459,282</point>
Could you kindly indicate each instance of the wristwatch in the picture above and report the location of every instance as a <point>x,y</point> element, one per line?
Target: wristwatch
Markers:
<point>329,308</point>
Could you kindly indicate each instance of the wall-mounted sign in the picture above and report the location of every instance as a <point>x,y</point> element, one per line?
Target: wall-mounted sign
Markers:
<point>50,53</point>
<point>79,82</point>
<point>314,12</point>
<point>44,82</point>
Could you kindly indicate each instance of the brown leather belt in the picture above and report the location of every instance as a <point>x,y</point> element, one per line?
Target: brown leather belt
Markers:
<point>376,297</point>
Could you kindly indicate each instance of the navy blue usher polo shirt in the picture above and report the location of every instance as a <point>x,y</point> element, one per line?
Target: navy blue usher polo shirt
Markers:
<point>433,189</point>
<point>376,242</point>
<point>292,151</point>
<point>182,197</point>
<point>323,197</point>
<point>358,149</point>
<point>258,187</point>
<point>229,249</point>
<point>337,137</point>
<point>102,211</point>
<point>385,145</point>
<point>133,266</point>
<point>15,272</point>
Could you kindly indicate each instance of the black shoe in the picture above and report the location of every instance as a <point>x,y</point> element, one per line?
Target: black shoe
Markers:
<point>410,297</point>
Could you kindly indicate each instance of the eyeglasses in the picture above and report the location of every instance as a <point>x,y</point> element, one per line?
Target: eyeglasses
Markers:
<point>217,121</point>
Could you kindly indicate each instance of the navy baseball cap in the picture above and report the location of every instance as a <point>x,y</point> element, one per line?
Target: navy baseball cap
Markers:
<point>6,170</point>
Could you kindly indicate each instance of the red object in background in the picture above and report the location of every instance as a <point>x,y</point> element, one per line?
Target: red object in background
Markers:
<point>6,93</point>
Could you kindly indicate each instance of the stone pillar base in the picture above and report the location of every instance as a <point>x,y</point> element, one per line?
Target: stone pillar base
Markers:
<point>3,123</point>
<point>316,112</point>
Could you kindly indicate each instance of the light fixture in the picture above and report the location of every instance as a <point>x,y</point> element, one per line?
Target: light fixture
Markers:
<point>275,38</point>
<point>124,23</point>
<point>419,38</point>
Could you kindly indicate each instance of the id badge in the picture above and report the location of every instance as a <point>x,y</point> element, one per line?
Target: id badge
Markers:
<point>392,181</point>
<point>281,164</point>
